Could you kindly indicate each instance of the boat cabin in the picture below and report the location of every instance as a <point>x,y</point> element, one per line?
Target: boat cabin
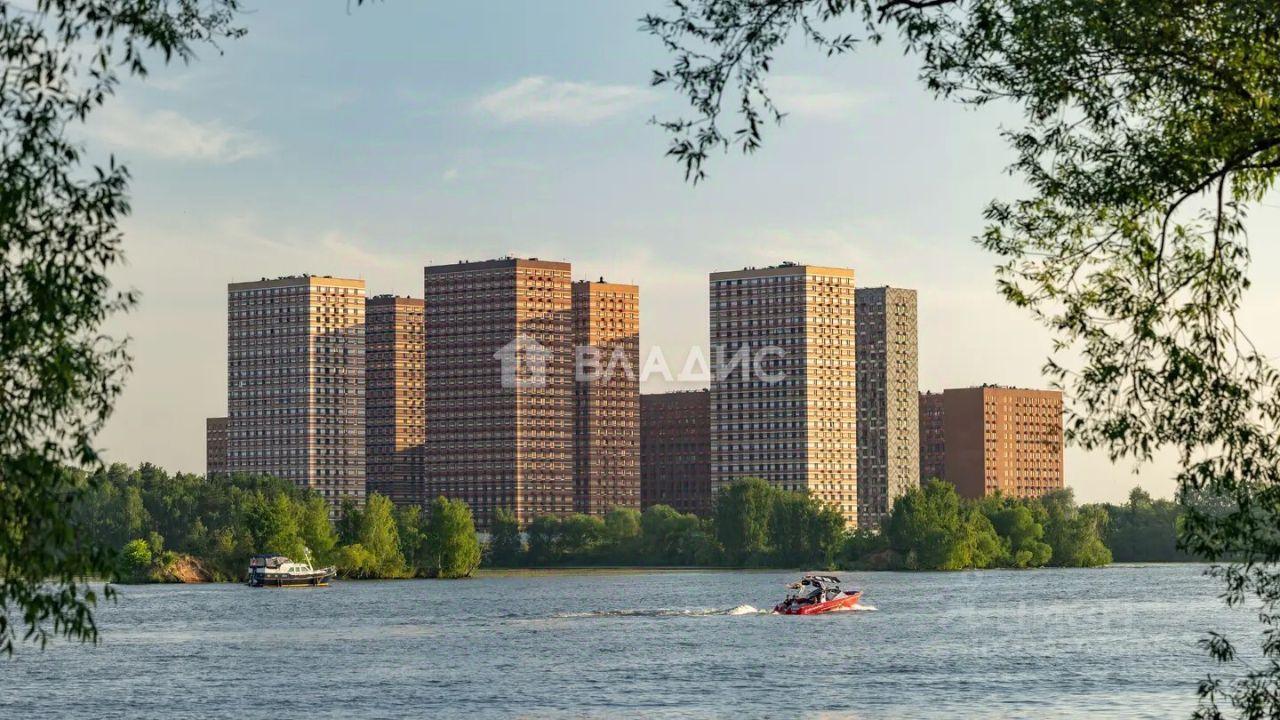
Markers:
<point>271,562</point>
<point>814,589</point>
<point>277,564</point>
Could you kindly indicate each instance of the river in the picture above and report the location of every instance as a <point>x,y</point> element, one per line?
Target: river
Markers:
<point>1111,642</point>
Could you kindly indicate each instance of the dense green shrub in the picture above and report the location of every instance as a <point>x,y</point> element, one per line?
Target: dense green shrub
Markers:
<point>215,525</point>
<point>452,549</point>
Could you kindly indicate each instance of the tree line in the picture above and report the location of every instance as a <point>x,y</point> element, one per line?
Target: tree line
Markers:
<point>754,524</point>
<point>185,526</point>
<point>933,528</point>
<point>176,527</point>
<point>930,528</point>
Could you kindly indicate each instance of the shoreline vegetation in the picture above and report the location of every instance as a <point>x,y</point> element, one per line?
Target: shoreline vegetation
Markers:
<point>185,528</point>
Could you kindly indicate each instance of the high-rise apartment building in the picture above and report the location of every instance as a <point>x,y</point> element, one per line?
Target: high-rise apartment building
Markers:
<point>215,447</point>
<point>1003,439</point>
<point>296,382</point>
<point>933,445</point>
<point>783,387</point>
<point>606,324</point>
<point>675,451</point>
<point>395,398</point>
<point>888,405</point>
<point>499,368</point>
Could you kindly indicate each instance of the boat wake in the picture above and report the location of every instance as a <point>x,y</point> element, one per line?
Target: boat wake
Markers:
<point>668,612</point>
<point>687,612</point>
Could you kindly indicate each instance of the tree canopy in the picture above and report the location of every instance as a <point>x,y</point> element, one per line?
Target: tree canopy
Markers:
<point>453,549</point>
<point>1144,529</point>
<point>158,521</point>
<point>742,513</point>
<point>59,374</point>
<point>932,529</point>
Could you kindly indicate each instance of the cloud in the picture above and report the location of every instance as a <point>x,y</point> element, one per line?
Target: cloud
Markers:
<point>540,99</point>
<point>812,97</point>
<point>170,135</point>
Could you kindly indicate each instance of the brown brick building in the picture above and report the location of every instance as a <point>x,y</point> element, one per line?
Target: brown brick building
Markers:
<point>296,382</point>
<point>215,446</point>
<point>499,400</point>
<point>888,405</point>
<point>933,446</point>
<point>606,319</point>
<point>395,398</point>
<point>793,420</point>
<point>675,451</point>
<point>1003,439</point>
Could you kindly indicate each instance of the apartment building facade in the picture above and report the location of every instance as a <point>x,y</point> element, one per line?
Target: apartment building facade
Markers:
<point>498,356</point>
<point>888,405</point>
<point>606,322</point>
<point>296,382</point>
<point>783,388</point>
<point>933,444</point>
<point>1003,439</point>
<point>395,398</point>
<point>215,447</point>
<point>675,451</point>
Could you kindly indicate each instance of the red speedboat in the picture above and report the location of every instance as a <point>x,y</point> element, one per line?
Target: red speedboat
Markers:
<point>816,594</point>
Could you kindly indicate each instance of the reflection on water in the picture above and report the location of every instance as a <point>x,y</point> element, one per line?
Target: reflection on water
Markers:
<point>1116,642</point>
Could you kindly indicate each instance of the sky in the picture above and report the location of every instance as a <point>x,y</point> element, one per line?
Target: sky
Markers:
<point>371,141</point>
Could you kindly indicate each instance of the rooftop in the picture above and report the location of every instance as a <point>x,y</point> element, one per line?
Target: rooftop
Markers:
<point>291,280</point>
<point>505,261</point>
<point>783,268</point>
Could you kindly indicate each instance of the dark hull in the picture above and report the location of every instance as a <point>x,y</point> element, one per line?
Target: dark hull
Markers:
<point>319,578</point>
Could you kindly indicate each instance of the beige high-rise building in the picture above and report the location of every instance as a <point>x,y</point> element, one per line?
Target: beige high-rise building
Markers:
<point>500,390</point>
<point>395,398</point>
<point>296,382</point>
<point>888,404</point>
<point>607,397</point>
<point>1003,439</point>
<point>783,387</point>
<point>215,447</point>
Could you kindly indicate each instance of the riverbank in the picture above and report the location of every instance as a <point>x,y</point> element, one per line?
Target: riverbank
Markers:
<point>490,573</point>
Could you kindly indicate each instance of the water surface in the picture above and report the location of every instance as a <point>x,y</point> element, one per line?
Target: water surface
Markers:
<point>1113,642</point>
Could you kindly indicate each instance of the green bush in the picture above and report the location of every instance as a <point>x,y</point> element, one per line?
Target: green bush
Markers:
<point>137,558</point>
<point>453,551</point>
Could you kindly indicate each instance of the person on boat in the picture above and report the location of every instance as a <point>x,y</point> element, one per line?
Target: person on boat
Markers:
<point>813,593</point>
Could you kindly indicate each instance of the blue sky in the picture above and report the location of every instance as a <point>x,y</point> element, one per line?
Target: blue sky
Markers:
<point>367,142</point>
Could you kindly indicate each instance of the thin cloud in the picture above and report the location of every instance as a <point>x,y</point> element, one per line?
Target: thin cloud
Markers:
<point>540,99</point>
<point>806,96</point>
<point>171,135</point>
